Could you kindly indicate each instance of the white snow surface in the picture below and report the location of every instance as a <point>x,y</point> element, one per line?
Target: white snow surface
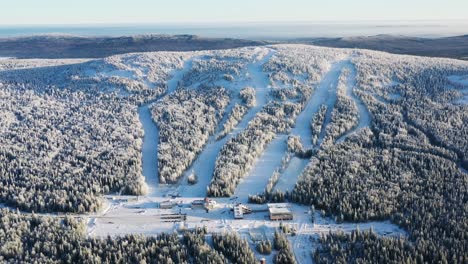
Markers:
<point>149,148</point>
<point>325,93</point>
<point>143,217</point>
<point>288,179</point>
<point>463,81</point>
<point>459,79</point>
<point>256,180</point>
<point>132,215</point>
<point>123,216</point>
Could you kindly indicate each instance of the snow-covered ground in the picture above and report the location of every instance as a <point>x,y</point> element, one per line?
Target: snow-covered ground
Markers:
<point>364,115</point>
<point>256,180</point>
<point>149,149</point>
<point>463,81</point>
<point>132,215</point>
<point>324,94</point>
<point>464,99</point>
<point>459,79</point>
<point>151,133</point>
<point>177,75</point>
<point>143,217</point>
<point>290,175</point>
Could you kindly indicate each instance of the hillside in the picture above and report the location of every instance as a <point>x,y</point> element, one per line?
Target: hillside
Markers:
<point>63,46</point>
<point>369,149</point>
<point>448,47</point>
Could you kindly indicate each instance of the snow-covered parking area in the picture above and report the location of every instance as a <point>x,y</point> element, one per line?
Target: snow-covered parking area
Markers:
<point>143,216</point>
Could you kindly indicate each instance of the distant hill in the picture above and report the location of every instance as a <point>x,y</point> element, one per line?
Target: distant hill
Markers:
<point>67,46</point>
<point>63,46</point>
<point>450,47</point>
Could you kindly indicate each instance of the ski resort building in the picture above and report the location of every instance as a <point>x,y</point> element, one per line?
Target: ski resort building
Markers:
<point>238,212</point>
<point>166,205</point>
<point>280,211</point>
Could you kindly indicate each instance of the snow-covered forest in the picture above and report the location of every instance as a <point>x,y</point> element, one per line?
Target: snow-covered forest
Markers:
<point>361,135</point>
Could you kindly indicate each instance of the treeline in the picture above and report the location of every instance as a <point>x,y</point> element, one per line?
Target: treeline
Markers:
<point>285,253</point>
<point>317,122</point>
<point>51,143</point>
<point>300,66</point>
<point>38,239</point>
<point>200,251</point>
<point>344,115</point>
<point>71,132</point>
<point>43,239</point>
<point>217,67</point>
<point>247,94</point>
<point>365,247</point>
<point>236,249</point>
<point>236,115</point>
<point>185,120</point>
<point>295,147</point>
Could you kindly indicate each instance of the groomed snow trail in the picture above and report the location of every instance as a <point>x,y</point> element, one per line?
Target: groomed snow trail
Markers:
<point>288,178</point>
<point>364,115</point>
<point>149,149</point>
<point>325,93</point>
<point>204,164</point>
<point>256,180</point>
<point>151,133</point>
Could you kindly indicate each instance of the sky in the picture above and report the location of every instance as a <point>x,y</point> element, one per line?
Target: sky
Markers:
<point>59,12</point>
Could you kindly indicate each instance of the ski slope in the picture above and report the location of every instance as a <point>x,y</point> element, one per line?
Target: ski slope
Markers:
<point>325,93</point>
<point>256,180</point>
<point>204,164</point>
<point>151,133</point>
<point>364,115</point>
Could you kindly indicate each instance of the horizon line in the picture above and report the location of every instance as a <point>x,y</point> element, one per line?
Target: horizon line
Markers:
<point>225,23</point>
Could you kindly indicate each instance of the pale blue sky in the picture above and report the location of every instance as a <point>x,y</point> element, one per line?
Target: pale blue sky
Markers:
<point>201,11</point>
